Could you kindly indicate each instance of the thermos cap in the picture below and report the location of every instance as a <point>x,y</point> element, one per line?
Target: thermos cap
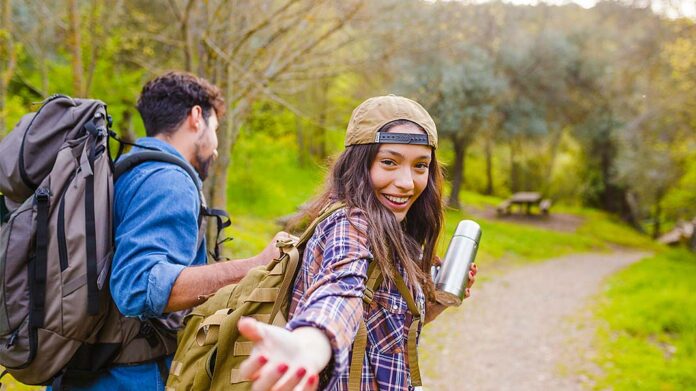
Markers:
<point>469,229</point>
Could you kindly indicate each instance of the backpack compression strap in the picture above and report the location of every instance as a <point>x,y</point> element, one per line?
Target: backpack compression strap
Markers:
<point>221,216</point>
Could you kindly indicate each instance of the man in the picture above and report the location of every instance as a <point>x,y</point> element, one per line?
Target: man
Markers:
<point>158,265</point>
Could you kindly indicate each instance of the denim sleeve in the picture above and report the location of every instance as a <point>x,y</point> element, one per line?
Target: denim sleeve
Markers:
<point>155,238</point>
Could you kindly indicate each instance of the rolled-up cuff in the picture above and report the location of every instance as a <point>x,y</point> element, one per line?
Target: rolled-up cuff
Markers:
<point>159,286</point>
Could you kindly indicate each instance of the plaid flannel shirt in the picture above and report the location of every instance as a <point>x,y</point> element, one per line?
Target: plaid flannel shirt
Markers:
<point>328,295</point>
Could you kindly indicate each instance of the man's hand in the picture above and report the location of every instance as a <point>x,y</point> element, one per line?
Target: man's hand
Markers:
<point>284,360</point>
<point>272,251</point>
<point>196,283</point>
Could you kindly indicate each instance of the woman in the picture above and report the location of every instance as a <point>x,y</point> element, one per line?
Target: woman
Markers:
<point>391,183</point>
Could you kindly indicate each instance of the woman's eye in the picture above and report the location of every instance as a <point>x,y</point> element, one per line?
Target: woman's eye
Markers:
<point>387,162</point>
<point>422,166</point>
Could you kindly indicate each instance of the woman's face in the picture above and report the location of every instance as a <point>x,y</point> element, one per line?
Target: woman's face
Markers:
<point>399,173</point>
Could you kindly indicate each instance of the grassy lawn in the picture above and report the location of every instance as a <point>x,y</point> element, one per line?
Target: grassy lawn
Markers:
<point>649,339</point>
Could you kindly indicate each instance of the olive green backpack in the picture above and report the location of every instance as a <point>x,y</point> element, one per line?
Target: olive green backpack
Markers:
<point>210,348</point>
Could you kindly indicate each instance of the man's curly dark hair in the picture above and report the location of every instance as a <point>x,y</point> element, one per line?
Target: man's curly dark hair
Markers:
<point>166,100</point>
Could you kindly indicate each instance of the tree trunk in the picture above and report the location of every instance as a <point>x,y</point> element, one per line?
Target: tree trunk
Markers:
<point>458,170</point>
<point>514,171</point>
<point>320,135</point>
<point>127,129</point>
<point>656,217</point>
<point>301,147</point>
<point>7,60</point>
<point>216,185</point>
<point>489,166</point>
<point>75,43</point>
<point>556,136</point>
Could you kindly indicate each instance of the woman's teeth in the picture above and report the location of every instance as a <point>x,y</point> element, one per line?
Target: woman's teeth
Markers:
<point>396,200</point>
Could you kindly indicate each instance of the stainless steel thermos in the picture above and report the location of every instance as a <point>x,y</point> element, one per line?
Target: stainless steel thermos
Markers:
<point>453,276</point>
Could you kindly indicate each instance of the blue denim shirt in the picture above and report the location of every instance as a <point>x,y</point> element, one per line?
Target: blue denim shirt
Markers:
<point>156,209</point>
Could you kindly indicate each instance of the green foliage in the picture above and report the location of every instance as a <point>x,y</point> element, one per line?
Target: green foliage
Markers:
<point>265,178</point>
<point>649,342</point>
<point>680,201</point>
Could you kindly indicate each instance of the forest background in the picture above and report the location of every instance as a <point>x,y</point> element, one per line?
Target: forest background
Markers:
<point>589,106</point>
<point>594,108</point>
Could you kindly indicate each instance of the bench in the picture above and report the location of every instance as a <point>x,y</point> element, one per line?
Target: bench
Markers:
<point>504,207</point>
<point>544,206</point>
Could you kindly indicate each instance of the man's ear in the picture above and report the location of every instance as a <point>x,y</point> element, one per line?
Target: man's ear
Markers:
<point>194,118</point>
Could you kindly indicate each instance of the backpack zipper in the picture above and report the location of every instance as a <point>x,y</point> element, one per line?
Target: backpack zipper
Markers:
<point>62,240</point>
<point>62,243</point>
<point>13,338</point>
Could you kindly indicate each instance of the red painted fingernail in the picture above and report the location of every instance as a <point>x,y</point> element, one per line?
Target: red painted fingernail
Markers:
<point>312,380</point>
<point>262,360</point>
<point>282,368</point>
<point>300,373</point>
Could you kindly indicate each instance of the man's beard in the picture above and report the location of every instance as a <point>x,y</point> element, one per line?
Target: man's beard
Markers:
<point>202,163</point>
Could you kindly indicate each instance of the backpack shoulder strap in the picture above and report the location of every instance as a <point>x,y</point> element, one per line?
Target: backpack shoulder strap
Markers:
<point>137,158</point>
<point>291,250</point>
<point>134,159</point>
<point>374,279</point>
<point>328,211</point>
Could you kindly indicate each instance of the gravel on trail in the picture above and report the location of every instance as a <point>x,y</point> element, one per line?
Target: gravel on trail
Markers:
<point>528,327</point>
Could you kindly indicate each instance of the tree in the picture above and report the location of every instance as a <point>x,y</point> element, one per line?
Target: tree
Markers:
<point>8,59</point>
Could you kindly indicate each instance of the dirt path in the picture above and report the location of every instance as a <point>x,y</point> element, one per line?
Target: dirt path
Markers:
<point>527,328</point>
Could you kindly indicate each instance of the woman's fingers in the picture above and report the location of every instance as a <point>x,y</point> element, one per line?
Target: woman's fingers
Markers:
<point>311,384</point>
<point>251,329</point>
<point>269,376</point>
<point>473,269</point>
<point>472,280</point>
<point>290,381</point>
<point>437,261</point>
<point>250,367</point>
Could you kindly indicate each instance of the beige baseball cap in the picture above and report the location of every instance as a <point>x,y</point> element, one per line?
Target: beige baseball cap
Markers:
<point>369,117</point>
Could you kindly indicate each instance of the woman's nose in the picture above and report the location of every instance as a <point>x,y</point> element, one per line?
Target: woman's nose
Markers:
<point>404,180</point>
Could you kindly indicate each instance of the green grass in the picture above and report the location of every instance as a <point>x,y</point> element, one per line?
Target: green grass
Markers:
<point>501,239</point>
<point>649,340</point>
<point>470,198</point>
<point>608,228</point>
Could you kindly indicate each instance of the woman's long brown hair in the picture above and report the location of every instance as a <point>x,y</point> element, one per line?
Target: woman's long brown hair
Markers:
<point>391,242</point>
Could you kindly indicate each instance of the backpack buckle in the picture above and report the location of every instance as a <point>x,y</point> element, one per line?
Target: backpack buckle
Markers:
<point>42,194</point>
<point>147,331</point>
<point>282,243</point>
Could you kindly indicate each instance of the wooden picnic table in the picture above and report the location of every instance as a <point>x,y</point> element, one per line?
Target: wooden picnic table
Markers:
<point>525,201</point>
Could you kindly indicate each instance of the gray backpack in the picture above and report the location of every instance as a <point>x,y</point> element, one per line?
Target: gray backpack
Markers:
<point>57,317</point>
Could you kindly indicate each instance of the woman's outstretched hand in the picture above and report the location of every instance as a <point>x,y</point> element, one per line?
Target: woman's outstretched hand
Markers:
<point>284,360</point>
